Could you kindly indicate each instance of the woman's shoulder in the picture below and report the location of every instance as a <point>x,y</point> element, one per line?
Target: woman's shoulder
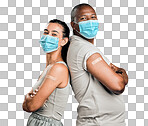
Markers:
<point>60,66</point>
<point>59,69</point>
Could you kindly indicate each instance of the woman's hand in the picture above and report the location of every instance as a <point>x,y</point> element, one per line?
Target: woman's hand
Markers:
<point>34,93</point>
<point>28,98</point>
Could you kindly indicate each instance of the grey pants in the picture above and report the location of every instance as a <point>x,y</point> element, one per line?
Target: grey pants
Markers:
<point>39,120</point>
<point>96,122</point>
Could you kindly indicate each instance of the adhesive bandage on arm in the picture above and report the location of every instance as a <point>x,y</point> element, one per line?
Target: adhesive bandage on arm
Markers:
<point>50,77</point>
<point>96,60</point>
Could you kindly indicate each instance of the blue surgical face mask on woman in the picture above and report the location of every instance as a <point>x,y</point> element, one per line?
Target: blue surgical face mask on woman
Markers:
<point>89,28</point>
<point>49,43</point>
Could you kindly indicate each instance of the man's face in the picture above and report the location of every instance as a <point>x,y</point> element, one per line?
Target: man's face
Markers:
<point>83,14</point>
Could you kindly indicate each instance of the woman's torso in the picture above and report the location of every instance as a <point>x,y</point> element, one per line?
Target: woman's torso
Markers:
<point>55,104</point>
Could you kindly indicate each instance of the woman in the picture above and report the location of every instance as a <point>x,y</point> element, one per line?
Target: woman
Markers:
<point>49,96</point>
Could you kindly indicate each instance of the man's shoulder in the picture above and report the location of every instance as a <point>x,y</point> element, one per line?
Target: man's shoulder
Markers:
<point>76,39</point>
<point>80,42</point>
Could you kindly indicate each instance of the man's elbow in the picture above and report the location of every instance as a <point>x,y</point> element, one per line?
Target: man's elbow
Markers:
<point>119,91</point>
<point>119,87</point>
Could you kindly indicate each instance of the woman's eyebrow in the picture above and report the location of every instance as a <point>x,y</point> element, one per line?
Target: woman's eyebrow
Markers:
<point>55,31</point>
<point>45,29</point>
<point>94,15</point>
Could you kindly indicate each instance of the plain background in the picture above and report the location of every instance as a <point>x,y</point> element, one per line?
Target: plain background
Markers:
<point>122,37</point>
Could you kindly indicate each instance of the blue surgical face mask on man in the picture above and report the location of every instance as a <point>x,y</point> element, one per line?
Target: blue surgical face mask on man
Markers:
<point>49,43</point>
<point>89,28</point>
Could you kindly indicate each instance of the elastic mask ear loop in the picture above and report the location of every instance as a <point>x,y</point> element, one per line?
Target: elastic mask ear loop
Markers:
<point>78,25</point>
<point>59,47</point>
<point>78,31</point>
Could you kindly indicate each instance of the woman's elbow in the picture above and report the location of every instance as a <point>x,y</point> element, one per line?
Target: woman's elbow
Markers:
<point>24,107</point>
<point>31,107</point>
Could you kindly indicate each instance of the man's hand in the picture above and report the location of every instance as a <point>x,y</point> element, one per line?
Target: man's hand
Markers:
<point>121,72</point>
<point>113,67</point>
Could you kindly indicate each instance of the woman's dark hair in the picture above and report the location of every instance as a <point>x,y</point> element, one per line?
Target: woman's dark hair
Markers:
<point>66,33</point>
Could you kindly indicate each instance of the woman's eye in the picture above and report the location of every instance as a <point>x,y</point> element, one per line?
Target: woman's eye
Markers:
<point>93,17</point>
<point>46,33</point>
<point>54,34</point>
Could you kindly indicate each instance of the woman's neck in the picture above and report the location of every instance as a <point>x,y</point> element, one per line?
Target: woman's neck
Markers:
<point>53,57</point>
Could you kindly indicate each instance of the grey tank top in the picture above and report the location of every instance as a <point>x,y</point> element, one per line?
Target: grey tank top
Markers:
<point>56,103</point>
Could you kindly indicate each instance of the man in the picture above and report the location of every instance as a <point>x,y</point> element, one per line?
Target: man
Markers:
<point>96,82</point>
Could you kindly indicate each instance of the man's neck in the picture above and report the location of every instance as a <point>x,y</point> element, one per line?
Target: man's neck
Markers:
<point>89,40</point>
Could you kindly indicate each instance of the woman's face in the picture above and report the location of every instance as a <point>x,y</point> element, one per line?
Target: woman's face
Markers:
<point>55,30</point>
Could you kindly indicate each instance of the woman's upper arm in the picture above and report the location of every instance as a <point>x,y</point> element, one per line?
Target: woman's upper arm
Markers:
<point>103,73</point>
<point>53,79</point>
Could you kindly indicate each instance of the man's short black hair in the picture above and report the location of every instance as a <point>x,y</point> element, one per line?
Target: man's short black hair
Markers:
<point>73,12</point>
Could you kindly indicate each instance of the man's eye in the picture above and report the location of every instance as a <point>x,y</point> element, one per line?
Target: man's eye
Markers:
<point>83,18</point>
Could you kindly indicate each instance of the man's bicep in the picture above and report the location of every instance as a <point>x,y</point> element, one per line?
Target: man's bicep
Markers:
<point>97,66</point>
<point>88,54</point>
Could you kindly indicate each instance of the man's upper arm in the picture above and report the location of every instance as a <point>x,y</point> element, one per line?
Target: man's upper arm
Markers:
<point>89,51</point>
<point>97,66</point>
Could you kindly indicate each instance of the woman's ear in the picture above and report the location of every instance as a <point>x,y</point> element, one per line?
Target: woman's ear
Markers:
<point>64,41</point>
